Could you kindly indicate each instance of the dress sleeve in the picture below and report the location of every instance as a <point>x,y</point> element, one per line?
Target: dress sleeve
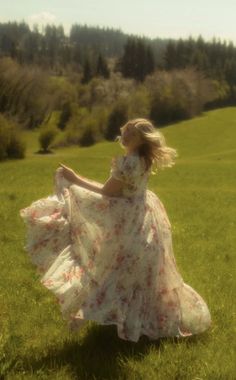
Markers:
<point>124,168</point>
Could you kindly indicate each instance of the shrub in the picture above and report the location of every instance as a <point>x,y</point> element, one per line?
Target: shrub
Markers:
<point>30,93</point>
<point>16,147</point>
<point>11,143</point>
<point>178,94</point>
<point>65,115</point>
<point>46,137</point>
<point>4,138</point>
<point>87,138</point>
<point>84,127</point>
<point>105,92</point>
<point>76,125</point>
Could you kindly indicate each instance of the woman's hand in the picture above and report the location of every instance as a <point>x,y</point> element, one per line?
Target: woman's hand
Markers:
<point>67,173</point>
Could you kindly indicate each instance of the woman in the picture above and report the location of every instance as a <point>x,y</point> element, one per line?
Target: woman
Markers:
<point>106,252</point>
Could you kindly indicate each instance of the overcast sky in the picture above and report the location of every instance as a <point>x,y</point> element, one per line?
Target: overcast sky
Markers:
<point>151,18</point>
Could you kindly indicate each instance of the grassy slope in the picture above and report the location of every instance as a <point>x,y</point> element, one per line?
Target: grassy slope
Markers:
<point>199,196</point>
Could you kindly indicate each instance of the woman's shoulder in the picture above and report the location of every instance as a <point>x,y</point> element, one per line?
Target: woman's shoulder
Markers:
<point>126,160</point>
<point>129,163</point>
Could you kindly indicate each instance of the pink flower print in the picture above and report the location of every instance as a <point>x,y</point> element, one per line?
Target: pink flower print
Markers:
<point>94,252</point>
<point>107,235</point>
<point>140,229</point>
<point>49,226</point>
<point>33,214</point>
<point>90,264</point>
<point>117,228</point>
<point>161,271</point>
<point>76,292</point>
<point>75,272</point>
<point>101,206</point>
<point>80,230</point>
<point>171,304</point>
<point>55,214</point>
<point>163,291</point>
<point>48,282</point>
<point>44,243</point>
<point>100,297</point>
<point>154,230</point>
<point>161,319</point>
<point>32,217</point>
<point>39,245</point>
<point>120,258</point>
<point>124,300</point>
<point>93,283</point>
<point>149,277</point>
<point>111,316</point>
<point>119,288</point>
<point>76,230</point>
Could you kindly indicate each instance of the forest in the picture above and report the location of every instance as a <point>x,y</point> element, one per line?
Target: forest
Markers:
<point>79,88</point>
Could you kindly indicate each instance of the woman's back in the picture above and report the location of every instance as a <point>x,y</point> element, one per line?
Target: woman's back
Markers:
<point>132,171</point>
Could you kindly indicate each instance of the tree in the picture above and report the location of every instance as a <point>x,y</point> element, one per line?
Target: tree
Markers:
<point>117,117</point>
<point>102,68</point>
<point>170,55</point>
<point>150,61</point>
<point>87,72</point>
<point>137,60</point>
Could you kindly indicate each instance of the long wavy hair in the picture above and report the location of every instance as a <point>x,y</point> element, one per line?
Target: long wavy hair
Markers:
<point>153,147</point>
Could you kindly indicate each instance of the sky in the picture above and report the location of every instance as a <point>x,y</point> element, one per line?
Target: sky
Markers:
<point>150,18</point>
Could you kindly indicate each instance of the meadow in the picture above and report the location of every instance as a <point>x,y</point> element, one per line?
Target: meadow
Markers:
<point>199,194</point>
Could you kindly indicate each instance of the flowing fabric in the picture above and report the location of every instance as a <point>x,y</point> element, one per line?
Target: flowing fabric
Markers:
<point>110,259</point>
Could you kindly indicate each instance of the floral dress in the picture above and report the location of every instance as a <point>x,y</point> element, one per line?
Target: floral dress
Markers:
<point>110,259</point>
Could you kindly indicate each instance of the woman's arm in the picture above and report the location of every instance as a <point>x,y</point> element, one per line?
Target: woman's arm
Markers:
<point>87,184</point>
<point>112,187</point>
<point>90,181</point>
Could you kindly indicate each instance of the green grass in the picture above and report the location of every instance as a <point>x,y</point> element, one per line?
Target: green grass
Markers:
<point>199,194</point>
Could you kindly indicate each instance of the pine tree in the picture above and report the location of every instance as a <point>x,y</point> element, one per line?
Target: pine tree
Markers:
<point>150,64</point>
<point>87,72</point>
<point>102,68</point>
<point>128,58</point>
<point>137,60</point>
<point>170,55</point>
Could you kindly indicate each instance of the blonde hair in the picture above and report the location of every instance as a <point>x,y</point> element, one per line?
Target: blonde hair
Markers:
<point>153,147</point>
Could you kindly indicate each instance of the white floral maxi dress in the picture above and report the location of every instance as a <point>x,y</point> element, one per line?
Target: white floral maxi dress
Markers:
<point>110,259</point>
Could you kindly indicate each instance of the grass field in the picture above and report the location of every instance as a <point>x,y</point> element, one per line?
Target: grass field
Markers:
<point>199,194</point>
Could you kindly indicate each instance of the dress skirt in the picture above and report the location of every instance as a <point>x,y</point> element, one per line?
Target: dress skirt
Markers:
<point>110,260</point>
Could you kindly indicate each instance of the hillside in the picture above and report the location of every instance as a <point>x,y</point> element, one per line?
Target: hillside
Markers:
<point>199,194</point>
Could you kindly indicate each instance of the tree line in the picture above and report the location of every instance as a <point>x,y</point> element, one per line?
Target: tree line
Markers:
<point>94,51</point>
